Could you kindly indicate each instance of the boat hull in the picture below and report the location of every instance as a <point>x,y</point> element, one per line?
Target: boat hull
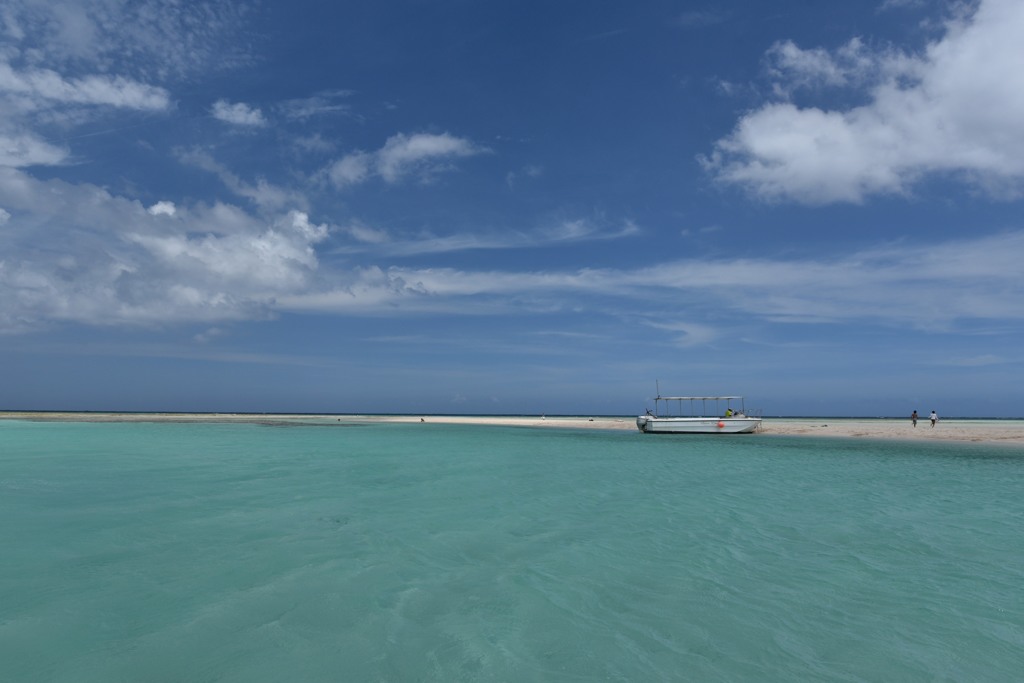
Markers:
<point>649,424</point>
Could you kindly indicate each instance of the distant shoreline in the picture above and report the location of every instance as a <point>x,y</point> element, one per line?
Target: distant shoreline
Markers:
<point>233,415</point>
<point>974,430</point>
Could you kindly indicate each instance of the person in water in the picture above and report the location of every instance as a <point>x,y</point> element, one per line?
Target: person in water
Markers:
<point>913,418</point>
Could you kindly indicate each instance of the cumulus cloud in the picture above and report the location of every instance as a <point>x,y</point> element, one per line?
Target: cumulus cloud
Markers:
<point>851,64</point>
<point>257,264</point>
<point>423,154</point>
<point>162,209</point>
<point>957,109</point>
<point>114,262</point>
<point>238,113</point>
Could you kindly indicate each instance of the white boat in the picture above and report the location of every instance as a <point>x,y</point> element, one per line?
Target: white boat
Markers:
<point>694,415</point>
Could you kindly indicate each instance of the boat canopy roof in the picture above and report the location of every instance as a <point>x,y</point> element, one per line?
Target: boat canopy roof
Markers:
<point>698,398</point>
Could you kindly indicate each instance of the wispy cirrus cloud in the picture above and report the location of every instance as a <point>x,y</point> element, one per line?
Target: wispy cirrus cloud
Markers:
<point>947,283</point>
<point>984,360</point>
<point>900,4</point>
<point>328,103</point>
<point>686,334</point>
<point>261,192</point>
<point>419,154</point>
<point>147,40</point>
<point>382,243</point>
<point>531,171</point>
<point>693,19</point>
<point>35,89</point>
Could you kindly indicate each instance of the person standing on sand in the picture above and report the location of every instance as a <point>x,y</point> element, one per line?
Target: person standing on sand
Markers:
<point>913,418</point>
<point>934,418</point>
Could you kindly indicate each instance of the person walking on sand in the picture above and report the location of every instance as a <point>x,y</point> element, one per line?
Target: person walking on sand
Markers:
<point>913,418</point>
<point>934,418</point>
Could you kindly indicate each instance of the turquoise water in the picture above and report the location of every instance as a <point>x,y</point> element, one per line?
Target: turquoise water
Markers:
<point>217,552</point>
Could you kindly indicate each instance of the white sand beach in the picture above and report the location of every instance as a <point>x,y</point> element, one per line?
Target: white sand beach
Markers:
<point>985,431</point>
<point>996,431</point>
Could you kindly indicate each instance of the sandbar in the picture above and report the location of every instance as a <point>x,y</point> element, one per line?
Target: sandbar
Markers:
<point>1009,432</point>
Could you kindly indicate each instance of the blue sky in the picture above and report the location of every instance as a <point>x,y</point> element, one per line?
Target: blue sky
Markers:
<point>511,207</point>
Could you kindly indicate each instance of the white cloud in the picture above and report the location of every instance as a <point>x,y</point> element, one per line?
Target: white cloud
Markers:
<point>312,143</point>
<point>403,154</point>
<point>162,209</point>
<point>688,335</point>
<point>262,193</point>
<point>27,94</point>
<point>900,4</point>
<point>146,39</point>
<point>18,149</point>
<point>562,232</point>
<point>421,153</point>
<point>851,64</point>
<point>38,87</point>
<point>351,169</point>
<point>957,108</point>
<point>258,264</point>
<point>322,104</point>
<point>47,43</point>
<point>114,262</point>
<point>936,286</point>
<point>209,335</point>
<point>580,229</point>
<point>298,221</point>
<point>239,114</point>
<point>530,171</point>
<point>364,233</point>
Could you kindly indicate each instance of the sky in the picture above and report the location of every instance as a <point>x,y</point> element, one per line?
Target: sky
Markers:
<point>512,207</point>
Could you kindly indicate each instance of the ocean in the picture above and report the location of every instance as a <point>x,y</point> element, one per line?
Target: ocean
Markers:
<point>427,552</point>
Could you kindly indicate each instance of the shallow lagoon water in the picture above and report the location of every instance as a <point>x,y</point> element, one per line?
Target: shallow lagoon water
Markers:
<point>245,552</point>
